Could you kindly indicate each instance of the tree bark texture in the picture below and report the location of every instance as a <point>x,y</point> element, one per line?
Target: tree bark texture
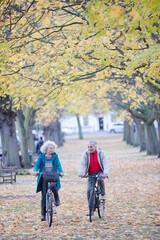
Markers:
<point>134,135</point>
<point>23,138</point>
<point>158,121</point>
<point>157,114</point>
<point>30,137</point>
<point>142,136</point>
<point>53,132</point>
<point>10,156</point>
<point>127,133</point>
<point>152,140</point>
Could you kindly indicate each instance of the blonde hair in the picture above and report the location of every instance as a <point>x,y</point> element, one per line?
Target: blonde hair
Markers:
<point>44,147</point>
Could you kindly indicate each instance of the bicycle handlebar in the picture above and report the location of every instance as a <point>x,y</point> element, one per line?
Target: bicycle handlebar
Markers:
<point>95,176</point>
<point>41,173</point>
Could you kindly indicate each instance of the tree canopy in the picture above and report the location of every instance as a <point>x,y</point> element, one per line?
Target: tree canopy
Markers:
<point>111,47</point>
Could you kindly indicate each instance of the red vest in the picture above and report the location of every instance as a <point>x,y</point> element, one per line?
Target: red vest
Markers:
<point>94,164</point>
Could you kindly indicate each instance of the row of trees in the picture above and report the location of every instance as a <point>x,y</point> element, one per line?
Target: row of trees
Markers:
<point>68,56</point>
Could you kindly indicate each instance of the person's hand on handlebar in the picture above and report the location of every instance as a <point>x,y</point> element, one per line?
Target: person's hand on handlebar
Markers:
<point>105,176</point>
<point>35,174</point>
<point>82,175</point>
<point>61,174</point>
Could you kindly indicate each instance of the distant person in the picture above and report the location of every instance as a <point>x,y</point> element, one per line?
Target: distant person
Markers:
<point>39,145</point>
<point>94,162</point>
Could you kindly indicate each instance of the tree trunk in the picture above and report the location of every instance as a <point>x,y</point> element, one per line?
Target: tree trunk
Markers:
<point>30,139</point>
<point>79,127</point>
<point>29,127</point>
<point>157,114</point>
<point>152,140</point>
<point>133,135</point>
<point>142,135</point>
<point>23,138</point>
<point>53,133</point>
<point>10,156</point>
<point>127,133</point>
<point>158,121</point>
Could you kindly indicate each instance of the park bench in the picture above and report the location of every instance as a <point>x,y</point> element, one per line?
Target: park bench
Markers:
<point>7,174</point>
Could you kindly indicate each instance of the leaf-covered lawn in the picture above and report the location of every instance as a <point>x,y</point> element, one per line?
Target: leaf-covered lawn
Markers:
<point>132,206</point>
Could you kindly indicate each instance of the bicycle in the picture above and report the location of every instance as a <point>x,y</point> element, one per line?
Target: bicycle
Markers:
<point>50,202</point>
<point>95,200</point>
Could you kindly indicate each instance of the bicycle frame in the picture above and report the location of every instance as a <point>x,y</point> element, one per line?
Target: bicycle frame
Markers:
<point>97,192</point>
<point>50,204</point>
<point>94,201</point>
<point>50,193</point>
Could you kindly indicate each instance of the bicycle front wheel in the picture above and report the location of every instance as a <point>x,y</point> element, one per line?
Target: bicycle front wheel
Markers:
<point>100,206</point>
<point>49,209</point>
<point>91,205</point>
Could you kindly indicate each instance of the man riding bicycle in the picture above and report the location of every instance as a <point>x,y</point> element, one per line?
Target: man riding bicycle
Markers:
<point>94,162</point>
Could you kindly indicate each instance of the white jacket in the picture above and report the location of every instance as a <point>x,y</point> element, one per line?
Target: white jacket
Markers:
<point>85,161</point>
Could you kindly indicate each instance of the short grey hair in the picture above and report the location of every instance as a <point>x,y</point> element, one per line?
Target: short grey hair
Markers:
<point>93,142</point>
<point>44,147</point>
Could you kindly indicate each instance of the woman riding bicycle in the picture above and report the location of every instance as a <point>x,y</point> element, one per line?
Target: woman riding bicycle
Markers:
<point>47,162</point>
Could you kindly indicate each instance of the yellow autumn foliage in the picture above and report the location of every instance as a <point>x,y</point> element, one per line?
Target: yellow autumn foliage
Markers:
<point>74,58</point>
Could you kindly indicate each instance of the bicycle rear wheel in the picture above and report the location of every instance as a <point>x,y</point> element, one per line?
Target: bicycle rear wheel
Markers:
<point>49,209</point>
<point>91,205</point>
<point>100,206</point>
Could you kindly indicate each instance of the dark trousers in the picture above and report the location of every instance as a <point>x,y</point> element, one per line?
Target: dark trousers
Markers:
<point>91,183</point>
<point>53,187</point>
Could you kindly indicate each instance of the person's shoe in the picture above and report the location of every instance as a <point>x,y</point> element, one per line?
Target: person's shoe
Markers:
<point>43,218</point>
<point>57,202</point>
